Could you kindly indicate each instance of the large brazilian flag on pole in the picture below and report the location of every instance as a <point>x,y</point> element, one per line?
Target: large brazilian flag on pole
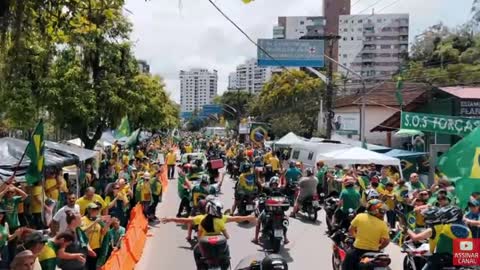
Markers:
<point>461,164</point>
<point>35,152</point>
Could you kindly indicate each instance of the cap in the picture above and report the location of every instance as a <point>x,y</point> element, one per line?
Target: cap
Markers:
<point>146,175</point>
<point>473,203</point>
<point>93,206</point>
<point>36,237</point>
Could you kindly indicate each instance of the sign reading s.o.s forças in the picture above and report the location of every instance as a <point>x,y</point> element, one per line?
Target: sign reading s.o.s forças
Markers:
<point>443,124</point>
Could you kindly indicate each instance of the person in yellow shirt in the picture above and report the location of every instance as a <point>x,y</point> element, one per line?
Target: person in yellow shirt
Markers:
<point>370,233</point>
<point>51,187</point>
<point>275,162</point>
<point>171,161</point>
<point>143,192</point>
<point>267,156</point>
<point>90,197</point>
<point>36,205</point>
<point>388,197</point>
<point>188,148</point>
<point>95,229</point>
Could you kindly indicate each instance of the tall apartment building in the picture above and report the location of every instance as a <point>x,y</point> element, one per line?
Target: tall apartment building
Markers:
<point>198,87</point>
<point>143,66</point>
<point>249,77</point>
<point>375,46</point>
<point>332,9</point>
<point>295,27</point>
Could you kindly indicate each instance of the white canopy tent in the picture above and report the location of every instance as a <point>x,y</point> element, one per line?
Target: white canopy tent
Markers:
<point>289,140</point>
<point>358,155</point>
<point>345,140</point>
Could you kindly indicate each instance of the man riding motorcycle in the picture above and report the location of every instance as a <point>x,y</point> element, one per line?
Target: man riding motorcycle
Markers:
<point>210,224</point>
<point>247,184</point>
<point>370,232</point>
<point>272,190</point>
<point>349,199</point>
<point>308,188</point>
<point>200,191</point>
<point>445,225</point>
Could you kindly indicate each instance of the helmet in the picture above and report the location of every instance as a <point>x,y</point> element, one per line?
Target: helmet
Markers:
<point>432,215</point>
<point>372,194</point>
<point>214,208</point>
<point>376,207</point>
<point>247,166</point>
<point>450,214</point>
<point>292,164</point>
<point>309,171</point>
<point>204,179</point>
<point>274,180</point>
<point>349,181</point>
<point>274,262</point>
<point>198,162</point>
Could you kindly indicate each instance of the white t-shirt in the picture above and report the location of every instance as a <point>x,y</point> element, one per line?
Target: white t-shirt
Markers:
<point>61,216</point>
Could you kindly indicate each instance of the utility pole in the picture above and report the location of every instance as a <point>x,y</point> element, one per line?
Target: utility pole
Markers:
<point>329,94</point>
<point>330,42</point>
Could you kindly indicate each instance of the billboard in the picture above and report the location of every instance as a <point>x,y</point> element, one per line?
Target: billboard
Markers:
<point>211,109</point>
<point>186,115</point>
<point>291,52</point>
<point>347,123</point>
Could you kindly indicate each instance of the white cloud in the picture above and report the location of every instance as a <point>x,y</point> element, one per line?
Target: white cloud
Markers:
<point>170,38</point>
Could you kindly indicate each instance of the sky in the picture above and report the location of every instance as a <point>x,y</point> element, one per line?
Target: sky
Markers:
<point>174,35</point>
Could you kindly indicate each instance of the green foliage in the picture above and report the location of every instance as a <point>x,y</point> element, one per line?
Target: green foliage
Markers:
<point>239,100</point>
<point>72,60</point>
<point>445,57</point>
<point>293,97</point>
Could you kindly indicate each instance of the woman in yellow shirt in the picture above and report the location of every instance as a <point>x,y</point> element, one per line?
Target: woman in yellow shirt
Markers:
<point>36,205</point>
<point>51,186</point>
<point>95,229</point>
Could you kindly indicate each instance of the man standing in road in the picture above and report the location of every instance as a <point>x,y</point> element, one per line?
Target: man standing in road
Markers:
<point>171,160</point>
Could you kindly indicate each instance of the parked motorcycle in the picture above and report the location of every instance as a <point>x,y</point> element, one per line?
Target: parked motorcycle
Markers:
<point>275,223</point>
<point>214,253</point>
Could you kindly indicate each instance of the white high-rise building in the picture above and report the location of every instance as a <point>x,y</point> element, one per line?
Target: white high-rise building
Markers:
<point>249,77</point>
<point>198,87</point>
<point>375,46</point>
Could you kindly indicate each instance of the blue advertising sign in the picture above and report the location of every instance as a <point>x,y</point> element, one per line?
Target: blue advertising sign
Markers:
<point>212,109</point>
<point>186,115</point>
<point>291,52</point>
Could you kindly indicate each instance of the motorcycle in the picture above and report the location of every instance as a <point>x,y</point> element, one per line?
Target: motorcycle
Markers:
<point>246,204</point>
<point>331,205</point>
<point>374,261</point>
<point>275,223</point>
<point>417,254</point>
<point>291,190</point>
<point>311,206</point>
<point>342,242</point>
<point>214,253</point>
<point>233,169</point>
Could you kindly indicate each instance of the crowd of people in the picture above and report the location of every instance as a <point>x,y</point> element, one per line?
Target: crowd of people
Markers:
<point>46,226</point>
<point>387,207</point>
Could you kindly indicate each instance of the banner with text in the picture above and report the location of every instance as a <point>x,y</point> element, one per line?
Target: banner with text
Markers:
<point>443,124</point>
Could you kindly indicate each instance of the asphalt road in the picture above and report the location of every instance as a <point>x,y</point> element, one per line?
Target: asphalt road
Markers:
<point>309,248</point>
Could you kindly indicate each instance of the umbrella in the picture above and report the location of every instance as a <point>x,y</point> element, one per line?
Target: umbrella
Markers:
<point>408,133</point>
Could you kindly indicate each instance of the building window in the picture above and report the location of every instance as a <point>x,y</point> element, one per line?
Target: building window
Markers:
<point>379,20</point>
<point>302,22</point>
<point>360,21</point>
<point>344,38</point>
<point>345,30</point>
<point>352,38</point>
<point>345,55</point>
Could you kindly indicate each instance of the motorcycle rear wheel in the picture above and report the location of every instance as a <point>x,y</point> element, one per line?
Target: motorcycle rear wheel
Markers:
<point>336,263</point>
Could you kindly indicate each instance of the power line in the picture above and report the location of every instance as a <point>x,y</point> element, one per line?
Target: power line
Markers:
<point>356,2</point>
<point>247,36</point>
<point>370,6</point>
<point>389,5</point>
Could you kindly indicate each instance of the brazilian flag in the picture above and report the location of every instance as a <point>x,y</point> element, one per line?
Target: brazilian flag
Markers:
<point>35,151</point>
<point>133,139</point>
<point>123,129</point>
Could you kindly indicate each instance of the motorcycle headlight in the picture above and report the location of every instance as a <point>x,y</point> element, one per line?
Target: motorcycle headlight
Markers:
<point>286,223</point>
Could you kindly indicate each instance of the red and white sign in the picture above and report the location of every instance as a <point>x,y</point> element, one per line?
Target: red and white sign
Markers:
<point>466,252</point>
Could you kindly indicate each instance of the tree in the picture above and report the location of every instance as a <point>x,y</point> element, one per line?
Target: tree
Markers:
<point>71,60</point>
<point>238,100</point>
<point>292,96</point>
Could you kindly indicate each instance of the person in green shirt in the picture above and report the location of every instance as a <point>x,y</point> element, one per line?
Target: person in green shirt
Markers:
<point>55,248</point>
<point>156,186</point>
<point>10,198</point>
<point>415,183</point>
<point>321,171</point>
<point>183,189</point>
<point>349,201</point>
